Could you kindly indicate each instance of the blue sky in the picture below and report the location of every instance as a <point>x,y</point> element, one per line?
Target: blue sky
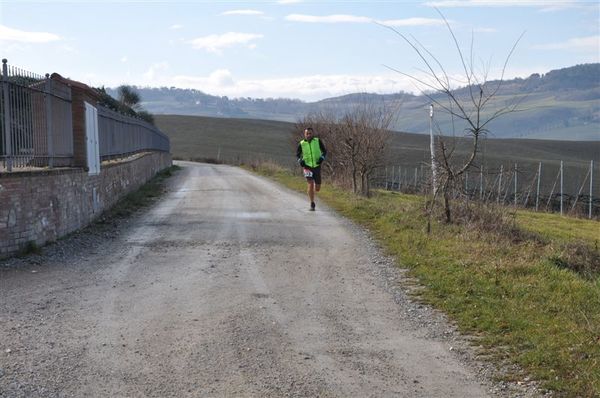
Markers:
<point>297,49</point>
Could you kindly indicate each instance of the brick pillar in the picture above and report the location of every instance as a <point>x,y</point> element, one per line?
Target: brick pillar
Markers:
<point>80,93</point>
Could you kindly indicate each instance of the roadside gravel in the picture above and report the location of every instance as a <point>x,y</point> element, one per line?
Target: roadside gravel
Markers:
<point>228,287</point>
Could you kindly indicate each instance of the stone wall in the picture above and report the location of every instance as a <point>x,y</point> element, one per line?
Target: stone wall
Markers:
<point>42,206</point>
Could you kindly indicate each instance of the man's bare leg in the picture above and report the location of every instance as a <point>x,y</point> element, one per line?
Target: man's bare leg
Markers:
<point>311,193</point>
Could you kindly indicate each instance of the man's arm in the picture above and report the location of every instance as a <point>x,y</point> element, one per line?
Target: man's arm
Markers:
<point>323,152</point>
<point>299,155</point>
<point>323,149</point>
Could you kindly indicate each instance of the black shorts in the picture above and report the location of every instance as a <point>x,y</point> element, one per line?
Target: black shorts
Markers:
<point>316,177</point>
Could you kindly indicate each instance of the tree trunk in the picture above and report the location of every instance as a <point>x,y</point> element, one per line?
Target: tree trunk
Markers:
<point>447,209</point>
<point>354,184</point>
<point>364,184</point>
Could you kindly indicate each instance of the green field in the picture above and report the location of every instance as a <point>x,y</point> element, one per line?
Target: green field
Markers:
<point>230,140</point>
<point>245,140</point>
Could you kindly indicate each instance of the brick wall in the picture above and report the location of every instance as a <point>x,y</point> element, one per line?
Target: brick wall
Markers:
<point>42,206</point>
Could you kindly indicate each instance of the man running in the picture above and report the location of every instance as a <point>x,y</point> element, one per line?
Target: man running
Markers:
<point>311,153</point>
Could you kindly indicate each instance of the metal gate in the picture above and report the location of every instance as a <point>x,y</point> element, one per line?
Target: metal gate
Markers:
<point>91,139</point>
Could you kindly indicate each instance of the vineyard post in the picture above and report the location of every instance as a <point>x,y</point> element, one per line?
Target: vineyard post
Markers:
<point>537,195</point>
<point>561,187</point>
<point>591,186</point>
<point>515,184</point>
<point>500,183</point>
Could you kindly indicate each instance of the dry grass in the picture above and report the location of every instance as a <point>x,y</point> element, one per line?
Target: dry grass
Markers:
<point>579,257</point>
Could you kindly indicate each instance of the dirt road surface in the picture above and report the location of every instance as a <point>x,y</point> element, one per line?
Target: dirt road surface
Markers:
<point>228,287</point>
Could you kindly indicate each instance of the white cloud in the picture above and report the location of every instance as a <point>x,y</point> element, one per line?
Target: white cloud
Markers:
<point>243,12</point>
<point>314,87</point>
<point>413,22</point>
<point>153,72</point>
<point>216,43</point>
<point>220,78</point>
<point>124,59</point>
<point>343,18</point>
<point>583,44</point>
<point>308,88</point>
<point>544,5</point>
<point>176,27</point>
<point>21,36</point>
<point>328,18</point>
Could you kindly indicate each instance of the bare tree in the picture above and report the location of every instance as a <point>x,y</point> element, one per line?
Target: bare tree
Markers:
<point>363,143</point>
<point>349,143</point>
<point>356,143</point>
<point>473,105</point>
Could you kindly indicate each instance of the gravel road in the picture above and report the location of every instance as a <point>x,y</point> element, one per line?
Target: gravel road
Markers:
<point>228,287</point>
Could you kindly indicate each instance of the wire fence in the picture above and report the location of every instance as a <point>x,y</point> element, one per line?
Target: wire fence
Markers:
<point>546,186</point>
<point>36,124</point>
<point>532,185</point>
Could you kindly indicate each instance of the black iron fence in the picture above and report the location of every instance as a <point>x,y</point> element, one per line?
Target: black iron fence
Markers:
<point>121,135</point>
<point>36,120</point>
<point>36,124</point>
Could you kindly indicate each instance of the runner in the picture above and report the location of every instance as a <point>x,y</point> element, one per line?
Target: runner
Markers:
<point>311,153</point>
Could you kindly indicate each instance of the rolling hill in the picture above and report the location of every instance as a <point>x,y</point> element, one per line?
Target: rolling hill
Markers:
<point>562,104</point>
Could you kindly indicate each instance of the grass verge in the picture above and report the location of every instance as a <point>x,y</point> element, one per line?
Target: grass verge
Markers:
<point>31,248</point>
<point>514,297</point>
<point>143,197</point>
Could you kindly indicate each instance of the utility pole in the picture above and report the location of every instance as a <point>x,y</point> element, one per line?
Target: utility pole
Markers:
<point>432,149</point>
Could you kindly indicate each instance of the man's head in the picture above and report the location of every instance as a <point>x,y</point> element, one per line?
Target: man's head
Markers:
<point>308,133</point>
